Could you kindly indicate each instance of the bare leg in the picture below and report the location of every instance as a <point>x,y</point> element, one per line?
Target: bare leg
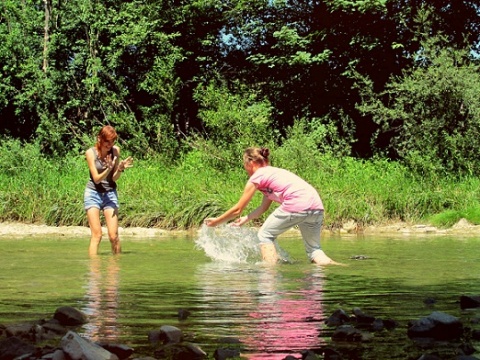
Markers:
<point>111,217</point>
<point>269,253</point>
<point>93,216</point>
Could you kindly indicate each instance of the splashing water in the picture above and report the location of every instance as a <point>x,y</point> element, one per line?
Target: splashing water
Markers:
<point>233,244</point>
<point>228,243</point>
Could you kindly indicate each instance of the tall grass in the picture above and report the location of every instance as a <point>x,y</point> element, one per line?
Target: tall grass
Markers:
<point>34,189</point>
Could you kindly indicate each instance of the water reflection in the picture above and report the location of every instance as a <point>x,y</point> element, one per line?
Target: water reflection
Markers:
<point>102,299</point>
<point>271,313</point>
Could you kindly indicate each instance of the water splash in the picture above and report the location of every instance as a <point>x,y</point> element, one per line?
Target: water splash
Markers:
<point>233,244</point>
<point>229,243</point>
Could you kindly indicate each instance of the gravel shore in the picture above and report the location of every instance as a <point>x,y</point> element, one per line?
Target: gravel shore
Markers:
<point>15,229</point>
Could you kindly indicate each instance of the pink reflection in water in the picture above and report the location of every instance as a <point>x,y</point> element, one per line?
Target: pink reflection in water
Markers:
<point>102,299</point>
<point>273,316</point>
<point>286,321</point>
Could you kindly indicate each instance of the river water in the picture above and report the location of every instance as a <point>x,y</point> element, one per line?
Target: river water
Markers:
<point>272,311</point>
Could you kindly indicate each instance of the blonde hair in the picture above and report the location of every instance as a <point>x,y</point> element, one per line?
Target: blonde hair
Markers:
<point>257,155</point>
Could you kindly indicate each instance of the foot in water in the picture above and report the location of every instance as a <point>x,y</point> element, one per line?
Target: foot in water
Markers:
<point>322,259</point>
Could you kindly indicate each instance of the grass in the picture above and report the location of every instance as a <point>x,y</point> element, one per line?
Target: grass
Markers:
<point>34,189</point>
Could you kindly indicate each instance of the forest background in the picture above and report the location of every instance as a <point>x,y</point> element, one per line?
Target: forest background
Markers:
<point>374,102</point>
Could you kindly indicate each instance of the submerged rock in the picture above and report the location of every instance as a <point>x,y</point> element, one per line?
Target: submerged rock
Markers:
<point>469,302</point>
<point>13,347</point>
<point>359,257</point>
<point>69,316</point>
<point>339,317</point>
<point>181,352</point>
<point>167,334</point>
<point>349,333</point>
<point>437,325</point>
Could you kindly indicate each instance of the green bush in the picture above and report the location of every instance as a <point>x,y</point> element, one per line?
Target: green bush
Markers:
<point>432,111</point>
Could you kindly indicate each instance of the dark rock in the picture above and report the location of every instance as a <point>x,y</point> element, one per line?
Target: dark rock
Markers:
<point>165,335</point>
<point>475,320</point>
<point>359,257</point>
<point>13,347</point>
<point>437,325</point>
<point>469,302</point>
<point>466,349</point>
<point>122,351</point>
<point>390,324</point>
<point>362,318</point>
<point>309,355</point>
<point>183,351</point>
<point>49,330</point>
<point>476,334</point>
<point>183,314</point>
<point>229,340</point>
<point>69,316</point>
<point>377,325</point>
<point>350,334</point>
<point>429,301</point>
<point>222,354</point>
<point>331,354</point>
<point>23,331</point>
<point>429,357</point>
<point>339,317</point>
<point>154,336</point>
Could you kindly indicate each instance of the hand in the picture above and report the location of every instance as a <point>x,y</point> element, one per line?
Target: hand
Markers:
<point>240,221</point>
<point>210,221</point>
<point>109,162</point>
<point>125,164</point>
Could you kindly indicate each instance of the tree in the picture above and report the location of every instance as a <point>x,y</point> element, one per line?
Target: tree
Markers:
<point>432,111</point>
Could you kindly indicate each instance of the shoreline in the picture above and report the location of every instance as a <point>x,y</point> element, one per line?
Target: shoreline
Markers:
<point>462,228</point>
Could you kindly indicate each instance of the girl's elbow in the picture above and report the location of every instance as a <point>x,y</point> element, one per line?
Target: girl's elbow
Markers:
<point>237,211</point>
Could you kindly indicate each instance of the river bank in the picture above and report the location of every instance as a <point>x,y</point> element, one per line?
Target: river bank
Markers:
<point>462,228</point>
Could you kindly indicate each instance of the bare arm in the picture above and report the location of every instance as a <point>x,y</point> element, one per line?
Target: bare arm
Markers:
<point>121,165</point>
<point>266,202</point>
<point>235,210</point>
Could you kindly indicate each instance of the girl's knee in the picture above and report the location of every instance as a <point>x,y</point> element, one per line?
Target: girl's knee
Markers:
<point>96,236</point>
<point>116,247</point>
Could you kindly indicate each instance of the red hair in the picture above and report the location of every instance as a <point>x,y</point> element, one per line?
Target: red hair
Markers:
<point>106,133</point>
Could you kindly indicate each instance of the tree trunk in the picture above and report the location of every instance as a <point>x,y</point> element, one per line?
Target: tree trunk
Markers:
<point>46,35</point>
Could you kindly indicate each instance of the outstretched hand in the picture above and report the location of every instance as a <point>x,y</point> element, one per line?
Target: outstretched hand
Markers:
<point>210,221</point>
<point>126,163</point>
<point>240,221</point>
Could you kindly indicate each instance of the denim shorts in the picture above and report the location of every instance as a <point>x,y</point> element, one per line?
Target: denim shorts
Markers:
<point>102,201</point>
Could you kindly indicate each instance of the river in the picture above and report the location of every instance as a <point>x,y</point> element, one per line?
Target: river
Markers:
<point>273,311</point>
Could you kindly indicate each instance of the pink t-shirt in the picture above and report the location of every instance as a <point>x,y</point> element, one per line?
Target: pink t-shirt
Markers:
<point>282,186</point>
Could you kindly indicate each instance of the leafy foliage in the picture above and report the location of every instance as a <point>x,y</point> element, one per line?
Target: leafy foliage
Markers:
<point>69,67</point>
<point>433,111</point>
<point>233,122</point>
<point>307,142</point>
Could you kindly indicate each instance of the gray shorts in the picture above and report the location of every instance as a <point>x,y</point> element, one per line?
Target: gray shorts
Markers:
<point>309,222</point>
